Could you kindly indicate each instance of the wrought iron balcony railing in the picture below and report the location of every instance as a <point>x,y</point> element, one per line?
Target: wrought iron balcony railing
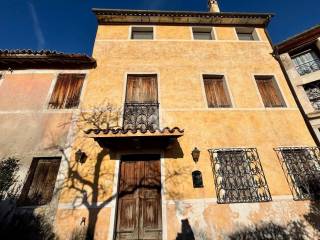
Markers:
<point>141,116</point>
<point>308,67</point>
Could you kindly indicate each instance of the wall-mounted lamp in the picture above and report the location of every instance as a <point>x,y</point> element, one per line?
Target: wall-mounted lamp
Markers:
<point>81,157</point>
<point>195,154</point>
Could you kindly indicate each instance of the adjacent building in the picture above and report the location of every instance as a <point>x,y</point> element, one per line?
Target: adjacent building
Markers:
<point>300,58</point>
<point>39,96</point>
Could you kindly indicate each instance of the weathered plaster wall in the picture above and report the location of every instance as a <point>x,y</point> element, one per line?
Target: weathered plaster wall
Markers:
<point>28,128</point>
<point>23,92</point>
<point>212,221</point>
<point>70,220</point>
<point>180,65</point>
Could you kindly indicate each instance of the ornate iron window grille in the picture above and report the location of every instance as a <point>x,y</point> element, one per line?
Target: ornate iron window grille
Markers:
<point>313,93</point>
<point>239,176</point>
<point>141,116</point>
<point>308,67</point>
<point>301,166</point>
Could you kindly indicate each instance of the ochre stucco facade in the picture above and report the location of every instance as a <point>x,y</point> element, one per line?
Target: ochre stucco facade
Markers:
<point>179,63</point>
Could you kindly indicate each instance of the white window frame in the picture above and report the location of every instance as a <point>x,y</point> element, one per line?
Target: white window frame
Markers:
<point>213,33</point>
<point>131,29</point>
<point>254,33</point>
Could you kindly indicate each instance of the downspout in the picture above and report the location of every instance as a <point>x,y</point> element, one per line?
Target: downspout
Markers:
<point>276,55</point>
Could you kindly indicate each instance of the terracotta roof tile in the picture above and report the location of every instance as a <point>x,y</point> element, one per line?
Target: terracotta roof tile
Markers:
<point>44,59</point>
<point>135,131</point>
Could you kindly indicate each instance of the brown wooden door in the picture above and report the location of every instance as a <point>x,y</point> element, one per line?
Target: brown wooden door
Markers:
<point>139,205</point>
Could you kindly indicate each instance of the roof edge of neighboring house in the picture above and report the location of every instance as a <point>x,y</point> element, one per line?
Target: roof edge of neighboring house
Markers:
<point>44,59</point>
<point>304,38</point>
<point>122,16</point>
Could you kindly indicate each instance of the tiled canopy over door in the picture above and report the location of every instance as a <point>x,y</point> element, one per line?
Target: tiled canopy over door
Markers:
<point>141,107</point>
<point>139,206</point>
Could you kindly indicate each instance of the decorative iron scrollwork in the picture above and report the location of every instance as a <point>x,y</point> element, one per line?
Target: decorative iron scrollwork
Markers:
<point>239,176</point>
<point>302,168</point>
<point>141,116</point>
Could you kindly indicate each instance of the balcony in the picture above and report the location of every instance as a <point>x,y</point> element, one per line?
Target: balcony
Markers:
<point>308,67</point>
<point>140,130</point>
<point>141,116</point>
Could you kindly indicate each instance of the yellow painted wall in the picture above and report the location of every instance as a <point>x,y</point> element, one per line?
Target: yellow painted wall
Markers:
<point>180,65</point>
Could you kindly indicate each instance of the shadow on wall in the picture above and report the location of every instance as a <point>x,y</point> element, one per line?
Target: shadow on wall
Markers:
<point>186,231</point>
<point>294,231</point>
<point>17,223</point>
<point>87,184</point>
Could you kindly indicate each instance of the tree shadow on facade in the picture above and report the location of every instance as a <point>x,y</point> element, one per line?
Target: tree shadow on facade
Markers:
<point>91,200</point>
<point>294,230</point>
<point>15,222</point>
<point>265,231</point>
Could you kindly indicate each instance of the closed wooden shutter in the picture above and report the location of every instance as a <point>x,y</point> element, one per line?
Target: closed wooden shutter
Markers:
<point>269,92</point>
<point>42,178</point>
<point>67,91</point>
<point>216,92</point>
<point>142,89</point>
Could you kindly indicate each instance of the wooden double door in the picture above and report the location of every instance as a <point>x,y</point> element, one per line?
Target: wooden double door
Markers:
<point>139,201</point>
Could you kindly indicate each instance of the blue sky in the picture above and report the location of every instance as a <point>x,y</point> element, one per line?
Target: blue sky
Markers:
<point>70,26</point>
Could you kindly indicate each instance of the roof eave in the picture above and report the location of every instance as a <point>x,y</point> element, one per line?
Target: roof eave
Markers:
<point>16,62</point>
<point>116,16</point>
<point>306,37</point>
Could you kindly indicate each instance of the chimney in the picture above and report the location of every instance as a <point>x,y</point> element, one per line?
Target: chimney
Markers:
<point>213,6</point>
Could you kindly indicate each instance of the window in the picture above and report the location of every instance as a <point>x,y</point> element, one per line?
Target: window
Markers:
<point>313,92</point>
<point>197,179</point>
<point>302,169</point>
<point>247,34</point>
<point>239,176</point>
<point>142,33</point>
<point>216,91</point>
<point>67,91</point>
<point>38,189</point>
<point>202,33</point>
<point>269,91</point>
<point>306,62</point>
<point>141,110</point>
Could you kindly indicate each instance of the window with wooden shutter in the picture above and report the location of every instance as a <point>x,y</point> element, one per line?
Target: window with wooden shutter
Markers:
<point>38,189</point>
<point>67,91</point>
<point>142,89</point>
<point>269,91</point>
<point>216,91</point>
